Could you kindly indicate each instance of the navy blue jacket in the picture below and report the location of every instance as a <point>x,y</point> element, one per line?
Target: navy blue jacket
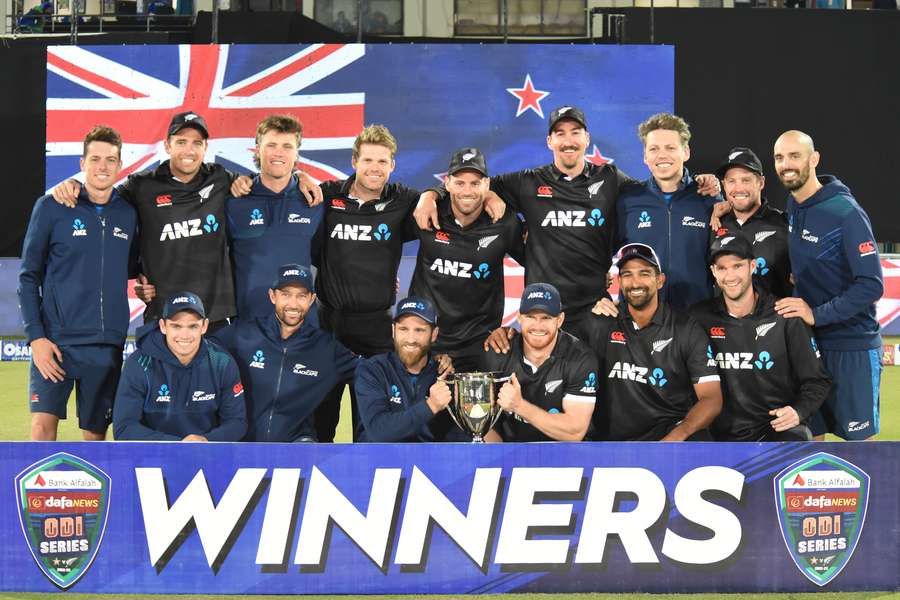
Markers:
<point>73,284</point>
<point>393,409</point>
<point>679,232</point>
<point>267,230</point>
<point>161,399</point>
<point>836,266</point>
<point>286,380</point>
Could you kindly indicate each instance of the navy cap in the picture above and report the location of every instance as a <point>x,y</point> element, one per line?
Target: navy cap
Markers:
<point>567,112</point>
<point>543,297</point>
<point>293,274</point>
<point>468,158</point>
<point>636,250</point>
<point>729,242</point>
<point>180,301</point>
<point>188,119</point>
<point>419,307</point>
<point>740,157</point>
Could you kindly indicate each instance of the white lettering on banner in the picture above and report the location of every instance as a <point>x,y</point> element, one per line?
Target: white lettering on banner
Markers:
<point>371,532</point>
<point>470,531</point>
<point>521,513</point>
<point>525,516</point>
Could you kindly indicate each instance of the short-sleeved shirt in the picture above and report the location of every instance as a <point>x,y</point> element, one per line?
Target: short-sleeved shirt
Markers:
<point>568,375</point>
<point>647,375</point>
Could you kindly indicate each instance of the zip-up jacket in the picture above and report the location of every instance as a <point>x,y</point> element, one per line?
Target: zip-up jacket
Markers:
<point>679,232</point>
<point>75,265</point>
<point>183,242</point>
<point>460,269</point>
<point>765,362</point>
<point>571,227</point>
<point>767,231</point>
<point>361,246</point>
<point>267,230</point>
<point>285,380</point>
<point>392,404</point>
<point>160,399</point>
<point>837,270</point>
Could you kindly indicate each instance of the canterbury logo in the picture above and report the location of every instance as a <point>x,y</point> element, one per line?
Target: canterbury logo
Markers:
<point>764,329</point>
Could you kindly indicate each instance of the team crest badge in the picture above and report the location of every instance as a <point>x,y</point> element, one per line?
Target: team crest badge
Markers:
<point>63,503</point>
<point>821,503</point>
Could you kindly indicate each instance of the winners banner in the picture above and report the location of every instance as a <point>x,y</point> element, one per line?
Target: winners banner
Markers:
<point>174,518</point>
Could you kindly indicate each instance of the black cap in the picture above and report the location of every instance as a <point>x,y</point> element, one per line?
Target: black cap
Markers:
<point>636,250</point>
<point>541,296</point>
<point>419,307</point>
<point>188,119</point>
<point>467,158</point>
<point>728,242</point>
<point>740,157</point>
<point>567,112</point>
<point>293,274</point>
<point>180,301</point>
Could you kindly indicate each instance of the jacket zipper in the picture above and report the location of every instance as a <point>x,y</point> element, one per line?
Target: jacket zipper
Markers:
<point>277,390</point>
<point>102,259</point>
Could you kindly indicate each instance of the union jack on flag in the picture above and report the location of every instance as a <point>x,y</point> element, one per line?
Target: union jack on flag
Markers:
<point>136,90</point>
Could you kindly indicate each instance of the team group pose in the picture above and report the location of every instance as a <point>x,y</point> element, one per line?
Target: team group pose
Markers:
<point>268,295</point>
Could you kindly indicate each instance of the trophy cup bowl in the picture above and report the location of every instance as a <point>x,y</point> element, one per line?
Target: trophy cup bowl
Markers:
<point>474,406</point>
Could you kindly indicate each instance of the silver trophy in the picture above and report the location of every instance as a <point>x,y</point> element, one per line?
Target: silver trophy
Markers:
<point>474,406</point>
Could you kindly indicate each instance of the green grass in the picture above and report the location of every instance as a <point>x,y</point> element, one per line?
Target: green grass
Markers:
<point>15,426</point>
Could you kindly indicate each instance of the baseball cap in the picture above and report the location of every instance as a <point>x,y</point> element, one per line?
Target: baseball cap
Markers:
<point>740,157</point>
<point>419,307</point>
<point>728,242</point>
<point>567,112</point>
<point>468,158</point>
<point>636,250</point>
<point>541,296</point>
<point>180,301</point>
<point>291,274</point>
<point>188,119</point>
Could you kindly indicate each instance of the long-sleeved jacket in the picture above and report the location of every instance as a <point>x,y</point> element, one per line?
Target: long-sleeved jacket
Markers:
<point>160,399</point>
<point>836,266</point>
<point>285,380</point>
<point>74,277</point>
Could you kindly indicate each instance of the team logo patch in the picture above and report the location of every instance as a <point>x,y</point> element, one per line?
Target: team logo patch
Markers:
<point>866,248</point>
<point>821,505</point>
<point>486,241</point>
<point>761,236</point>
<point>545,191</point>
<point>442,237</point>
<point>765,328</point>
<point>617,337</point>
<point>659,345</point>
<point>164,200</point>
<point>338,203</point>
<point>717,333</point>
<point>63,503</point>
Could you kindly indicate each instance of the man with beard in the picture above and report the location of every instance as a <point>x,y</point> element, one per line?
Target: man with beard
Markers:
<point>553,376</point>
<point>658,377</point>
<point>287,365</point>
<point>402,394</point>
<point>773,378</point>
<point>460,266</point>
<point>752,217</point>
<point>837,279</point>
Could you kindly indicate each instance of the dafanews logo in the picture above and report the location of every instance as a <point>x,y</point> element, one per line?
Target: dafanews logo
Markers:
<point>361,233</point>
<point>821,505</point>
<point>63,503</point>
<point>189,228</point>
<point>573,218</point>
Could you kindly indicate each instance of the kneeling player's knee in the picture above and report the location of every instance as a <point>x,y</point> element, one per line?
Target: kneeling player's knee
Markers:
<point>43,427</point>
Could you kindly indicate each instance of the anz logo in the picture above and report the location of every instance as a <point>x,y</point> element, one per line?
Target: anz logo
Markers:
<point>644,220</point>
<point>189,228</point>
<point>395,395</point>
<point>256,217</point>
<point>457,268</point>
<point>164,394</point>
<point>78,229</point>
<point>259,360</point>
<point>628,371</point>
<point>744,360</point>
<point>573,218</point>
<point>361,233</point>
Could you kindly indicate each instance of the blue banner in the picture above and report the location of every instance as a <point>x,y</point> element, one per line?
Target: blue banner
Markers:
<point>173,518</point>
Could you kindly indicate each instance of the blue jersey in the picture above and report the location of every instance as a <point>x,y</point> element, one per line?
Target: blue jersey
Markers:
<point>836,266</point>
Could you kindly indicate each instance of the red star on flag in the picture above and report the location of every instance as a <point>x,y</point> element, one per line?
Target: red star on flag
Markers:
<point>597,158</point>
<point>529,98</point>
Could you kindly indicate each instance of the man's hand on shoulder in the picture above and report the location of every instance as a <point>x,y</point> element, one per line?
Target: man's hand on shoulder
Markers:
<point>310,189</point>
<point>426,214</point>
<point>498,341</point>
<point>66,192</point>
<point>708,184</point>
<point>606,307</point>
<point>241,186</point>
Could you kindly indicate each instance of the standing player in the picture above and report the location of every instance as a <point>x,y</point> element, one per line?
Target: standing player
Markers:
<point>668,213</point>
<point>287,365</point>
<point>402,394</point>
<point>751,215</point>
<point>73,294</point>
<point>773,378</point>
<point>460,266</point>
<point>837,279</point>
<point>552,391</point>
<point>657,380</point>
<point>273,225</point>
<point>177,385</point>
